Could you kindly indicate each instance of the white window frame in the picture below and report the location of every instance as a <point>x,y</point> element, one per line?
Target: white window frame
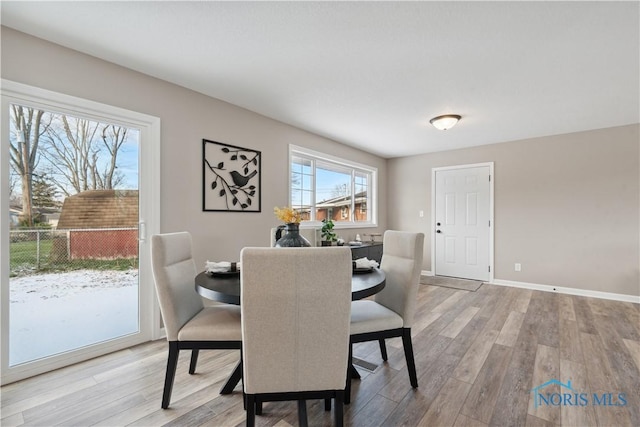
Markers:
<point>149,161</point>
<point>372,190</point>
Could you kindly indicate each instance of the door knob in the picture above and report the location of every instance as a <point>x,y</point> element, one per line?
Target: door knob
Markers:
<point>438,231</point>
<point>438,224</point>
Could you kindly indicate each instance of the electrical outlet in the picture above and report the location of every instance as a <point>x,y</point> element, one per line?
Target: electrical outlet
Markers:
<point>421,214</point>
<point>518,266</point>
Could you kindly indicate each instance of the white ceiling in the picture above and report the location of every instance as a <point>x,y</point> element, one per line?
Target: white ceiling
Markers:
<point>372,74</point>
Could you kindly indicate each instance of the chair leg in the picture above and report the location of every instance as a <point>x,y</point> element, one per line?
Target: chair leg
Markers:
<point>383,349</point>
<point>251,410</point>
<point>258,407</point>
<point>354,372</point>
<point>347,389</point>
<point>233,380</point>
<point>172,363</point>
<point>302,413</point>
<point>338,415</point>
<point>194,361</point>
<point>327,404</point>
<point>352,369</point>
<point>408,354</point>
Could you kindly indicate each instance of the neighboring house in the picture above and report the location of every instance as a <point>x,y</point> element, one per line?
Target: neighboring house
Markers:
<point>101,224</point>
<point>49,216</point>
<point>52,219</point>
<point>14,217</point>
<point>338,208</point>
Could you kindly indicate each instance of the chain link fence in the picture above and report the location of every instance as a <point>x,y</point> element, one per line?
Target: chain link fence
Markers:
<point>46,250</point>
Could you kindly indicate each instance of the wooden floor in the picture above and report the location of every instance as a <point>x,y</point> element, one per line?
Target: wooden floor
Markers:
<point>478,356</point>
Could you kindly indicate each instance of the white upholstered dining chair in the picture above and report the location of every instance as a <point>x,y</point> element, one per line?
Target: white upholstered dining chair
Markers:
<point>391,313</point>
<point>188,324</point>
<point>295,326</point>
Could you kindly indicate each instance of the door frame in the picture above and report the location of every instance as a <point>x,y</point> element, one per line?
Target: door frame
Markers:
<point>149,216</point>
<point>491,210</point>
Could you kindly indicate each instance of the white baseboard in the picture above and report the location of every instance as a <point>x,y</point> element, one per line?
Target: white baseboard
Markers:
<point>559,289</point>
<point>570,291</point>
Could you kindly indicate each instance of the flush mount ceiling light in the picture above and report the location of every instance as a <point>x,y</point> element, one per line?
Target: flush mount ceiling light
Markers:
<point>445,122</point>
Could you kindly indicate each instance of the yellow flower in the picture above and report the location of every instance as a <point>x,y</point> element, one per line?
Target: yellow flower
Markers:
<point>288,215</point>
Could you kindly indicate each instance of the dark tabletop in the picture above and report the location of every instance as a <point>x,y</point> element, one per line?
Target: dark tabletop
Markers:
<point>226,288</point>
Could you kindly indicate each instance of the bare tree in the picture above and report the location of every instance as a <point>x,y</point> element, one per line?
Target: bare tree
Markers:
<point>80,154</point>
<point>83,154</point>
<point>340,190</point>
<point>71,154</point>
<point>13,182</point>
<point>112,138</point>
<point>27,128</point>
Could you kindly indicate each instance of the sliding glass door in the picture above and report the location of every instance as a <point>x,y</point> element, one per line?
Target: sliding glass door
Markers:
<point>80,197</point>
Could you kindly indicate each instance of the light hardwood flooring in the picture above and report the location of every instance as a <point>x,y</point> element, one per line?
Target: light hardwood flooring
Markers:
<point>478,355</point>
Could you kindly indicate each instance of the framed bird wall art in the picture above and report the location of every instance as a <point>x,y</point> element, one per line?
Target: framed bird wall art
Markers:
<point>231,180</point>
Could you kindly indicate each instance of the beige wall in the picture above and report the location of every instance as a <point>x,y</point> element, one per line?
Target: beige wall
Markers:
<point>187,117</point>
<point>566,206</point>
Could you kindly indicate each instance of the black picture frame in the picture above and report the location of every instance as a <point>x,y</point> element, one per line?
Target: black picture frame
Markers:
<point>231,178</point>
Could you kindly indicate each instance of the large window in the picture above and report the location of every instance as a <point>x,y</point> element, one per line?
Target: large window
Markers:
<point>324,186</point>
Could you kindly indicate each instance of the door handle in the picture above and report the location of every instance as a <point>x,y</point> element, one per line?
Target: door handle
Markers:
<point>438,231</point>
<point>142,231</point>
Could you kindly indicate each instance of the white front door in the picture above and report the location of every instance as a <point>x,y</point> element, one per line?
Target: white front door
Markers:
<point>462,227</point>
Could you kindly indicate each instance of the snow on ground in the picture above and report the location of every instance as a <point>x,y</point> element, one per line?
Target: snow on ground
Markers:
<point>56,312</point>
<point>59,285</point>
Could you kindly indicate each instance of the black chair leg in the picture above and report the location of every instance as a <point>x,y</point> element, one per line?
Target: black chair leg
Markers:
<point>302,413</point>
<point>383,349</point>
<point>354,372</point>
<point>327,404</point>
<point>347,389</point>
<point>251,410</point>
<point>408,354</point>
<point>194,361</point>
<point>233,380</point>
<point>258,407</point>
<point>172,363</point>
<point>338,415</point>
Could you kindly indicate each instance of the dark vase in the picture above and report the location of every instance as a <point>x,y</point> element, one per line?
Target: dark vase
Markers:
<point>292,238</point>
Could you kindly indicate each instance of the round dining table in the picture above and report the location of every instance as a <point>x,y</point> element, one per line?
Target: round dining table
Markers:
<point>225,287</point>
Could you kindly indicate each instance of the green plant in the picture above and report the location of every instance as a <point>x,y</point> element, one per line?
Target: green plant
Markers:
<point>327,231</point>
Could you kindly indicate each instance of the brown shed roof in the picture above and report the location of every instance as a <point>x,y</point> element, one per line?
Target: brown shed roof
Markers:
<point>100,209</point>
